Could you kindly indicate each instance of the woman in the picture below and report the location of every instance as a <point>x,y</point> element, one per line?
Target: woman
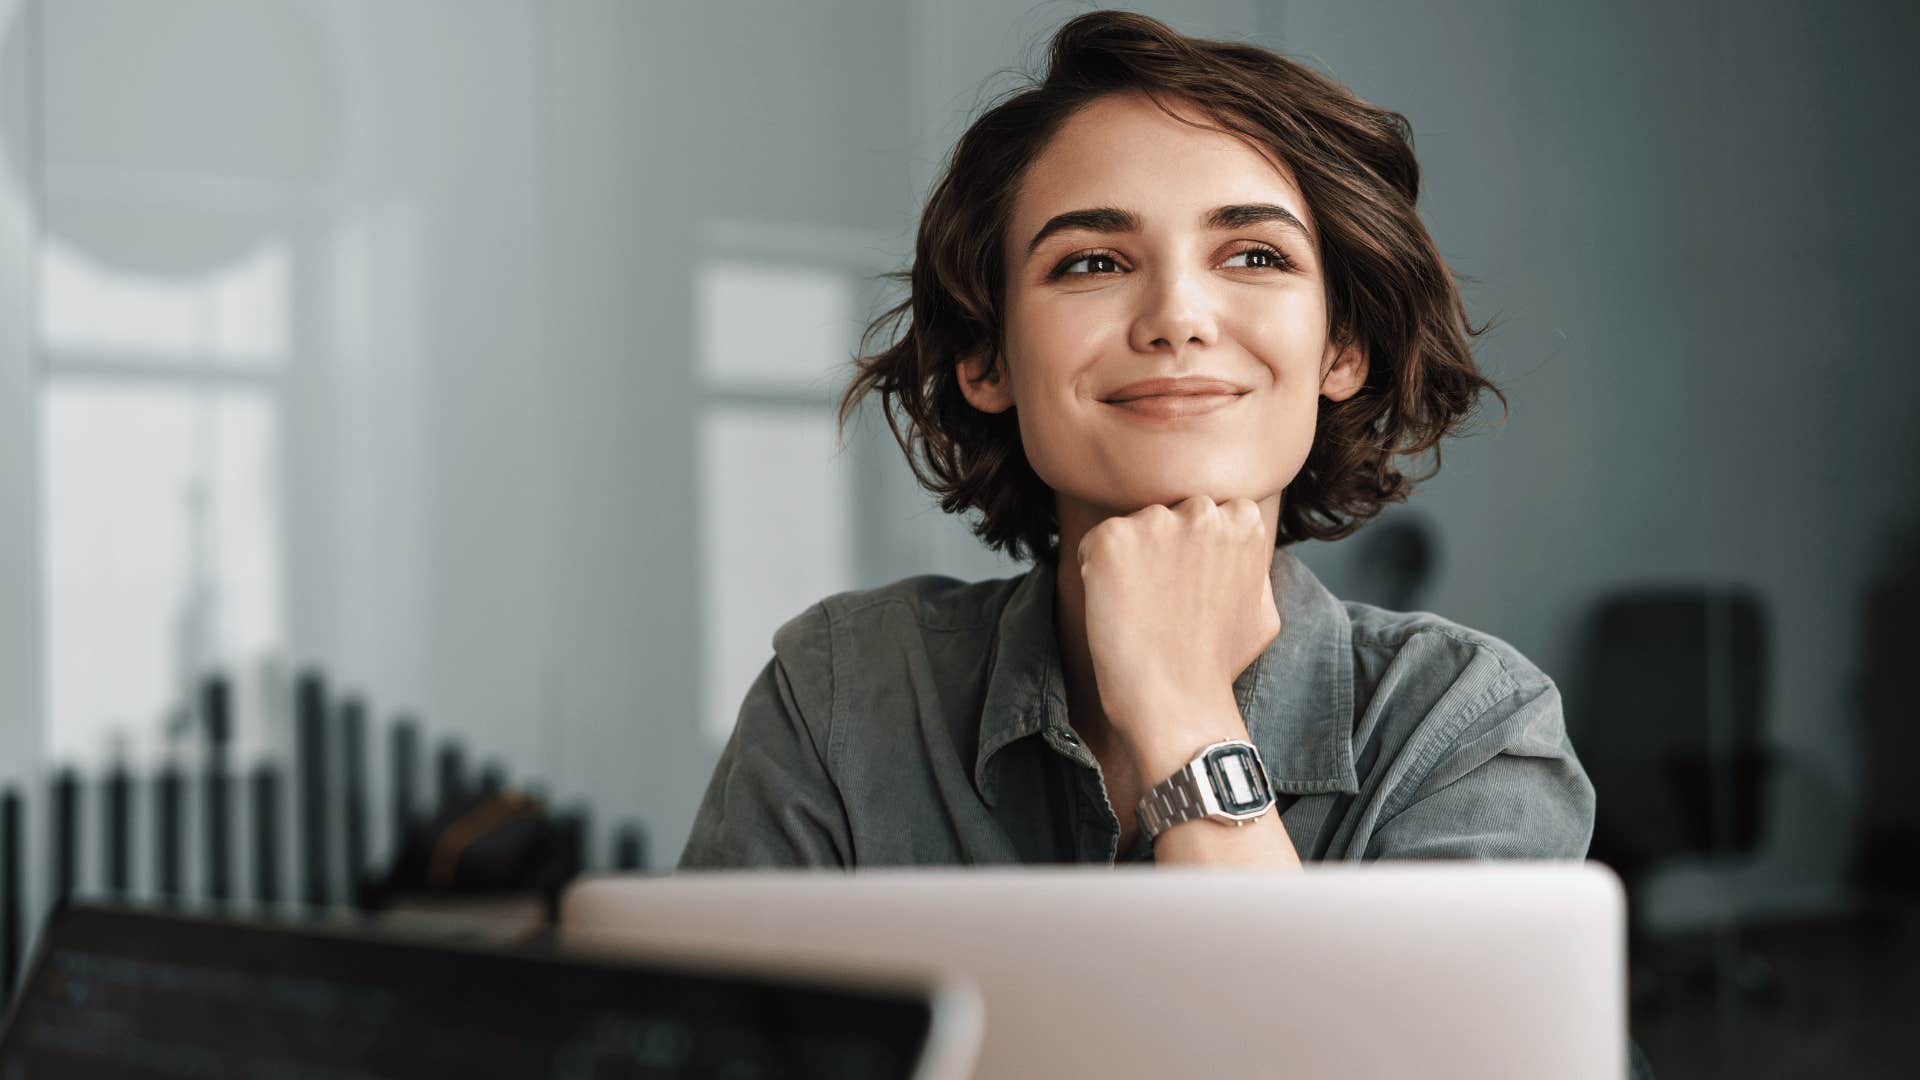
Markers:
<point>1172,310</point>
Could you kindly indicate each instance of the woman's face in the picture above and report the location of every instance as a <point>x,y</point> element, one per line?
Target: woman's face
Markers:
<point>1141,248</point>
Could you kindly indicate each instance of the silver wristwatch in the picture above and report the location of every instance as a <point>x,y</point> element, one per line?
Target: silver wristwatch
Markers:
<point>1226,782</point>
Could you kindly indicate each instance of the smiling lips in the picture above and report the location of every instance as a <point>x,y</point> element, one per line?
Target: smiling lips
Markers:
<point>1168,399</point>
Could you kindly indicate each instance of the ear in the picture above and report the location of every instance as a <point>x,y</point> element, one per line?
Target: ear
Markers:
<point>1346,373</point>
<point>984,383</point>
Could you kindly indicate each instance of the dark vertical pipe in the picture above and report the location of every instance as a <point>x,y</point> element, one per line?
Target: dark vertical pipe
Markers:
<point>583,814</point>
<point>493,778</point>
<point>168,790</point>
<point>116,811</point>
<point>555,876</point>
<point>266,835</point>
<point>406,771</point>
<point>453,781</point>
<point>215,705</point>
<point>353,763</point>
<point>66,822</point>
<point>11,866</point>
<point>630,848</point>
<point>312,708</point>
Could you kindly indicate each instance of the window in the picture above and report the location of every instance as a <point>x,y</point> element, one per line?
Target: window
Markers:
<point>162,533</point>
<point>778,316</point>
<point>786,518</point>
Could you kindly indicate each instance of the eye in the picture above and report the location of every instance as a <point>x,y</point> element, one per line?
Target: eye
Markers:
<point>1273,259</point>
<point>1083,257</point>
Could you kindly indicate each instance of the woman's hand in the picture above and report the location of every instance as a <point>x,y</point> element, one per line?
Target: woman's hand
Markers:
<point>1178,603</point>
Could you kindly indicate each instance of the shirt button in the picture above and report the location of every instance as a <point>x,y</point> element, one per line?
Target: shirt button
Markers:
<point>1070,738</point>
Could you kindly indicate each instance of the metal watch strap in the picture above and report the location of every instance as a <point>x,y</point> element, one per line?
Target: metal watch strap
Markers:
<point>1170,802</point>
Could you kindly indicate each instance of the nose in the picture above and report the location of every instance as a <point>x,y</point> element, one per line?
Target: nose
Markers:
<point>1176,314</point>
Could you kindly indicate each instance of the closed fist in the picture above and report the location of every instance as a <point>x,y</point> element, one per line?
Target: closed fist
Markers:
<point>1178,604</point>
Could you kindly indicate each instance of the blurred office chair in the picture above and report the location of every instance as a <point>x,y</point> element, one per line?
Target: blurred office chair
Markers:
<point>1672,731</point>
<point>1887,864</point>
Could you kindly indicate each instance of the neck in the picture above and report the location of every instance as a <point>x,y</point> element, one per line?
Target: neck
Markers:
<point>1076,519</point>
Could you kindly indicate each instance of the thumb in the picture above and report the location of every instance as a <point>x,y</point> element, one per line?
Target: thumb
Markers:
<point>1269,609</point>
<point>1266,624</point>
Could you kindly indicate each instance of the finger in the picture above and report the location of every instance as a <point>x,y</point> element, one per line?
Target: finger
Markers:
<point>1088,539</point>
<point>1244,512</point>
<point>1196,505</point>
<point>1272,613</point>
<point>1151,510</point>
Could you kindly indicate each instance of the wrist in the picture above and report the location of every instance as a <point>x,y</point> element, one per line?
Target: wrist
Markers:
<point>1225,784</point>
<point>1162,733</point>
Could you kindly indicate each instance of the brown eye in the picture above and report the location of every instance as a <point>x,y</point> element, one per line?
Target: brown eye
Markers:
<point>1101,257</point>
<point>1270,259</point>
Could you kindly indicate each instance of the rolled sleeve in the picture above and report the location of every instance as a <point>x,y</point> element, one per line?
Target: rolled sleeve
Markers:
<point>772,801</point>
<point>1505,784</point>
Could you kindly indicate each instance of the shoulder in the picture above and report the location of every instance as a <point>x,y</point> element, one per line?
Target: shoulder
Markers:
<point>1437,642</point>
<point>1442,697</point>
<point>867,625</point>
<point>1428,667</point>
<point>860,657</point>
<point>927,602</point>
<point>1465,746</point>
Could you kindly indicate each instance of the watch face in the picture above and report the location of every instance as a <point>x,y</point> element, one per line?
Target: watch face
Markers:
<point>1238,780</point>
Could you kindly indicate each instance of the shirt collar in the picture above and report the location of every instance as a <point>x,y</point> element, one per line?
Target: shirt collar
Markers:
<point>1296,697</point>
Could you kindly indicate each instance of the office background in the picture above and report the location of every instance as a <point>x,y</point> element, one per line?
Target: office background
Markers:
<point>484,355</point>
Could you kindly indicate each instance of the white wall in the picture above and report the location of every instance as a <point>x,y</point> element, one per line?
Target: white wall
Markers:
<point>19,577</point>
<point>21,735</point>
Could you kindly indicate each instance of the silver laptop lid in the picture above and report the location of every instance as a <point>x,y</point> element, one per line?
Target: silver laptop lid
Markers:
<point>1373,970</point>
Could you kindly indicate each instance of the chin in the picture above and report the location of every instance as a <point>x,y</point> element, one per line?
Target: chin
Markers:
<point>1141,492</point>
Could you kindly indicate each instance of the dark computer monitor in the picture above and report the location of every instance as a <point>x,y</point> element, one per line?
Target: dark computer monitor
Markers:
<point>117,992</point>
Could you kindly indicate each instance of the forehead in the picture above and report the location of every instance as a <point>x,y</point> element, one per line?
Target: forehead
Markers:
<point>1122,150</point>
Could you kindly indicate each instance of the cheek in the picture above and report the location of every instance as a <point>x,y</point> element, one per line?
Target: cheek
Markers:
<point>1048,346</point>
<point>1289,335</point>
<point>1289,338</point>
<point>1062,331</point>
<point>1047,424</point>
<point>1294,433</point>
<point>1297,410</point>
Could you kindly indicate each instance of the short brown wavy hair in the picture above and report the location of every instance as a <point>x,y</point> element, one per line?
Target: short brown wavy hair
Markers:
<point>1387,287</point>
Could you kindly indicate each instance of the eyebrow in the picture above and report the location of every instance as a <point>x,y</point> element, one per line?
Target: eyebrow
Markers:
<point>1110,219</point>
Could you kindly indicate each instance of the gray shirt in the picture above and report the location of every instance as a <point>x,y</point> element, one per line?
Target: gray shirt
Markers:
<point>925,722</point>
